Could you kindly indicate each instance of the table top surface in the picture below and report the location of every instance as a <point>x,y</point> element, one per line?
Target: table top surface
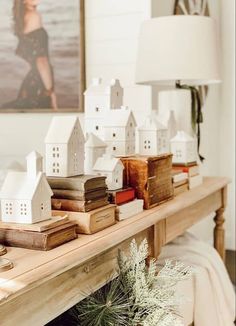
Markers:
<point>32,268</point>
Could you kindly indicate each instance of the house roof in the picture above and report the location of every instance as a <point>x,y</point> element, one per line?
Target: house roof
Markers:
<point>151,123</point>
<point>33,155</point>
<point>97,87</point>
<point>107,163</point>
<point>118,118</point>
<point>94,141</point>
<point>61,128</point>
<point>18,185</point>
<point>182,136</point>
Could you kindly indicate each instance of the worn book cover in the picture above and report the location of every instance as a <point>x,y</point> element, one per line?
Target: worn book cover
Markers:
<point>150,177</point>
<point>36,227</point>
<point>79,195</point>
<point>94,221</point>
<point>191,170</point>
<point>180,189</point>
<point>78,205</point>
<point>121,196</point>
<point>39,240</point>
<point>129,209</point>
<point>81,182</point>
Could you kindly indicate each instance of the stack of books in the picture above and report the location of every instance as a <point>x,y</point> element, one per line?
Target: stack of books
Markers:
<point>81,193</point>
<point>180,181</point>
<point>44,235</point>
<point>84,198</point>
<point>127,204</point>
<point>192,171</point>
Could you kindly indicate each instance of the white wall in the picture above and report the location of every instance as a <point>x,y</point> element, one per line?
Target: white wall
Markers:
<point>112,28</point>
<point>227,112</point>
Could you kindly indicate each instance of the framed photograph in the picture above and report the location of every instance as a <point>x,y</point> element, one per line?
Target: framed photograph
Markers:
<point>42,57</point>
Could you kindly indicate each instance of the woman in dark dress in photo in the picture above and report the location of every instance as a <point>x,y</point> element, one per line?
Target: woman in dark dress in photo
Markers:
<point>37,88</point>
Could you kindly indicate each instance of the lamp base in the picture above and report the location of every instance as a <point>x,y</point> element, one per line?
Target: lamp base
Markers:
<point>178,100</point>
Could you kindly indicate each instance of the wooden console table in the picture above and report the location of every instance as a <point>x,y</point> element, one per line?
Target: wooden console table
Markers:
<point>42,285</point>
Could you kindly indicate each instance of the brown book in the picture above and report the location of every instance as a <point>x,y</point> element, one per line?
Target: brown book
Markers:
<point>180,183</point>
<point>79,195</point>
<point>150,177</point>
<point>80,182</point>
<point>191,170</point>
<point>39,240</point>
<point>94,221</point>
<point>184,164</point>
<point>179,190</point>
<point>78,205</point>
<point>37,227</point>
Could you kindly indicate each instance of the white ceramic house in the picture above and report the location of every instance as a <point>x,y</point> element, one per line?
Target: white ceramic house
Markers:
<point>98,100</point>
<point>119,132</point>
<point>183,148</point>
<point>26,196</point>
<point>64,147</point>
<point>112,168</point>
<point>94,148</point>
<point>153,137</point>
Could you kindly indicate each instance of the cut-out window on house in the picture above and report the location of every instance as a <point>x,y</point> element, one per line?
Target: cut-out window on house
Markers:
<point>117,180</point>
<point>113,135</point>
<point>131,124</point>
<point>42,206</point>
<point>97,109</point>
<point>114,148</point>
<point>96,127</point>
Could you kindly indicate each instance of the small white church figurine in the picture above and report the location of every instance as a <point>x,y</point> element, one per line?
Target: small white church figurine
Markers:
<point>153,137</point>
<point>94,148</point>
<point>26,196</point>
<point>183,148</point>
<point>64,147</point>
<point>119,132</point>
<point>112,168</point>
<point>98,99</point>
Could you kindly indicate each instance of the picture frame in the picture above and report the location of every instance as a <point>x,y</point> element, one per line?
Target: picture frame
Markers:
<point>59,40</point>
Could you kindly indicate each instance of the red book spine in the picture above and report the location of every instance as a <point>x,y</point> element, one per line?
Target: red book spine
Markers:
<point>125,196</point>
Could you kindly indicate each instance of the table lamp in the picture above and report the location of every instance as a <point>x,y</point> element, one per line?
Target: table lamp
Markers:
<point>178,50</point>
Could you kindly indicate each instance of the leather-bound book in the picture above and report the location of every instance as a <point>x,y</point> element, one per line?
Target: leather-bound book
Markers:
<point>78,194</point>
<point>150,176</point>
<point>39,240</point>
<point>83,183</point>
<point>93,221</point>
<point>78,205</point>
<point>121,196</point>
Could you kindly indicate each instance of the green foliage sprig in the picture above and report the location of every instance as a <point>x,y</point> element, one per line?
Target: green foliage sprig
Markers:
<point>139,296</point>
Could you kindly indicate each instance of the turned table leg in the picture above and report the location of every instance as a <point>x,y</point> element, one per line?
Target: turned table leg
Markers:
<point>219,232</point>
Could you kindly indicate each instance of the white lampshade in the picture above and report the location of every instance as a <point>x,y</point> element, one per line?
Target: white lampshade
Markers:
<point>180,47</point>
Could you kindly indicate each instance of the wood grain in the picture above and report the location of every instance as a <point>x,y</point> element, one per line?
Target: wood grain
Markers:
<point>35,272</point>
